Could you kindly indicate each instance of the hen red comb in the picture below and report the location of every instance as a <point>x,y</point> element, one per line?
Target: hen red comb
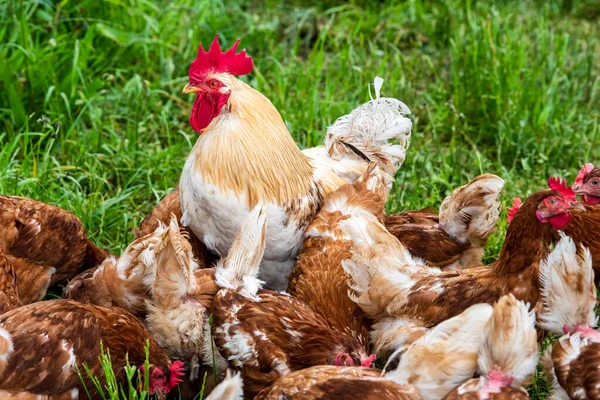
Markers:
<point>585,170</point>
<point>517,203</point>
<point>559,185</point>
<point>176,371</point>
<point>215,60</point>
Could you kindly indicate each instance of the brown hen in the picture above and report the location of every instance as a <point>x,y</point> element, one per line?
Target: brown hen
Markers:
<point>180,303</point>
<point>267,334</point>
<point>508,355</point>
<point>406,298</point>
<point>468,216</point>
<point>429,369</point>
<point>569,297</point>
<point>43,344</point>
<point>45,244</point>
<point>318,278</point>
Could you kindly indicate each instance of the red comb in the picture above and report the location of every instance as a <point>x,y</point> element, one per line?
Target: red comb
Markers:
<point>215,60</point>
<point>585,170</point>
<point>559,185</point>
<point>513,210</point>
<point>176,371</point>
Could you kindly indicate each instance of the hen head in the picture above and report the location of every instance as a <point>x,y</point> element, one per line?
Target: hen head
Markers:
<point>557,207</point>
<point>587,184</point>
<point>346,360</point>
<point>159,383</point>
<point>210,75</point>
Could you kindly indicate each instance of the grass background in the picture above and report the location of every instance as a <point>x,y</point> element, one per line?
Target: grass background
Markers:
<point>92,117</point>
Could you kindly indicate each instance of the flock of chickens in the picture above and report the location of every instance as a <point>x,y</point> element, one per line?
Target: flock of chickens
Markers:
<point>287,280</point>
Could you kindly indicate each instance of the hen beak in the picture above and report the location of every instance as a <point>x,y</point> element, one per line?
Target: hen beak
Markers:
<point>577,207</point>
<point>191,89</point>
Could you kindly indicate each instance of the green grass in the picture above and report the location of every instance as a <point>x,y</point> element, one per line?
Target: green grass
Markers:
<point>92,117</point>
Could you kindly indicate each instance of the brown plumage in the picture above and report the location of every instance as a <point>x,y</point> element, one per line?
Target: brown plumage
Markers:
<point>585,229</point>
<point>467,217</point>
<point>569,297</point>
<point>45,244</point>
<point>9,292</point>
<point>429,369</point>
<point>41,345</point>
<point>328,382</point>
<point>421,297</point>
<point>171,205</point>
<point>318,278</point>
<point>267,334</point>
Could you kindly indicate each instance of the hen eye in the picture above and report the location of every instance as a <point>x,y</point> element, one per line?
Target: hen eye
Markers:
<point>595,182</point>
<point>553,201</point>
<point>213,84</point>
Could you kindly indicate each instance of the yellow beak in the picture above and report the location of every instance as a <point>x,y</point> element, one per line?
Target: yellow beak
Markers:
<point>191,89</point>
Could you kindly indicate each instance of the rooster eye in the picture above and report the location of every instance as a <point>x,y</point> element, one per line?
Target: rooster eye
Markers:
<point>213,84</point>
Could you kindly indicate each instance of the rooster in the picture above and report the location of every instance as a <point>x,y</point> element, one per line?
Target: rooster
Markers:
<point>267,334</point>
<point>406,298</point>
<point>508,355</point>
<point>45,244</point>
<point>44,345</point>
<point>429,369</point>
<point>318,278</point>
<point>245,155</point>
<point>468,216</point>
<point>569,299</point>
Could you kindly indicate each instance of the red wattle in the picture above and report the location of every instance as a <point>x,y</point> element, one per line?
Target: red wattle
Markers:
<point>591,200</point>
<point>559,221</point>
<point>203,112</point>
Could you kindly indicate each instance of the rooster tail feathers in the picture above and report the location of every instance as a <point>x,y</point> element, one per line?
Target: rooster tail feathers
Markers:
<point>567,288</point>
<point>446,355</point>
<point>375,131</point>
<point>231,388</point>
<point>240,269</point>
<point>174,266</point>
<point>470,213</point>
<point>510,341</point>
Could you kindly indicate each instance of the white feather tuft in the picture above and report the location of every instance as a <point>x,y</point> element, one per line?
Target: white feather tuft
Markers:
<point>366,132</point>
<point>239,270</point>
<point>231,388</point>
<point>510,343</point>
<point>567,288</point>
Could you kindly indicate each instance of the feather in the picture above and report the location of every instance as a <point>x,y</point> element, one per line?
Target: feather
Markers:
<point>230,388</point>
<point>567,288</point>
<point>510,344</point>
<point>470,213</point>
<point>446,355</point>
<point>240,268</point>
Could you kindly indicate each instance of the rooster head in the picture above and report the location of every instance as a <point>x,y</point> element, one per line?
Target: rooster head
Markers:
<point>209,75</point>
<point>557,207</point>
<point>587,184</point>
